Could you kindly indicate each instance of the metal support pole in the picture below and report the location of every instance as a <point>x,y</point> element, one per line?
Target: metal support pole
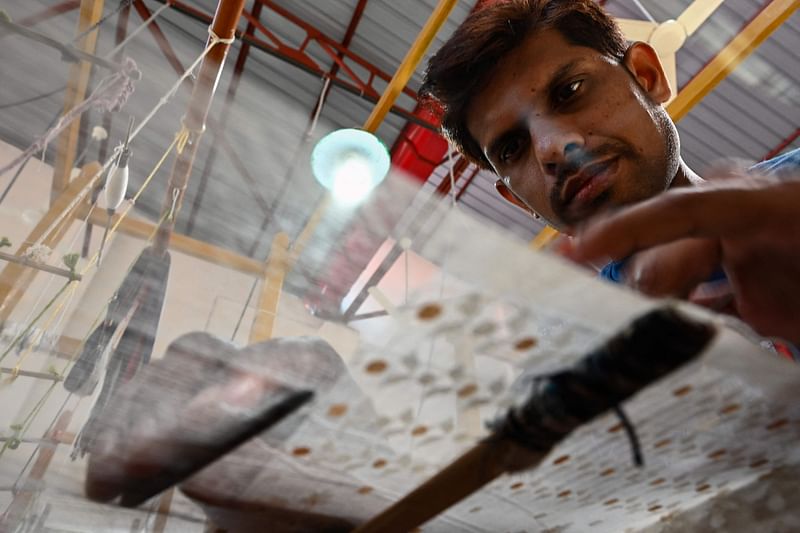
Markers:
<point>224,26</point>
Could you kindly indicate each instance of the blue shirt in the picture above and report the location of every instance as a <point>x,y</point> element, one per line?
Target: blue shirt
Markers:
<point>786,163</point>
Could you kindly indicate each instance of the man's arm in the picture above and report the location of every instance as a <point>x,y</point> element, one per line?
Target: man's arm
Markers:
<point>754,224</point>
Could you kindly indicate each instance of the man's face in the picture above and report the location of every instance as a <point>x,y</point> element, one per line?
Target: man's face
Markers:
<point>571,132</point>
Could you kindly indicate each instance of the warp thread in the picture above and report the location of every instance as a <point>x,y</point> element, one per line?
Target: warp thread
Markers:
<point>111,94</point>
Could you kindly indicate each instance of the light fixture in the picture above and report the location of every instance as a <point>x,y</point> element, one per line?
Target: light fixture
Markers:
<point>350,163</point>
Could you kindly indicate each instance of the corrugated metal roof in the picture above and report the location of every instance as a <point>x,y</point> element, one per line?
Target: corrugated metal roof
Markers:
<point>746,116</point>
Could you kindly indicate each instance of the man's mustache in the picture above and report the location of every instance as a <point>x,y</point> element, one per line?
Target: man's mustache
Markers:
<point>575,160</point>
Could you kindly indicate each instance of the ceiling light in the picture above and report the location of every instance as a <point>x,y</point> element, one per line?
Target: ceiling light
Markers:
<point>350,163</point>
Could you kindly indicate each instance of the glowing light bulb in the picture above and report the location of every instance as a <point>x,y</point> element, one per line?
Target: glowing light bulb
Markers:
<point>352,179</point>
<point>350,163</point>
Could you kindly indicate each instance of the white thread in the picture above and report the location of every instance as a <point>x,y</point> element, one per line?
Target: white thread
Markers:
<point>217,39</point>
<point>318,108</point>
<point>175,194</point>
<point>113,157</point>
<point>452,175</point>
<point>135,32</point>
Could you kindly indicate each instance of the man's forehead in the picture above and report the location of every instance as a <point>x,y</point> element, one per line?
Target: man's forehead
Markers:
<point>536,61</point>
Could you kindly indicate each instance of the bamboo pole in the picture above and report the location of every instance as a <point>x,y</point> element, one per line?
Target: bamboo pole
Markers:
<point>223,26</point>
<point>79,74</point>
<point>16,278</point>
<point>143,229</point>
<point>409,64</point>
<point>264,321</point>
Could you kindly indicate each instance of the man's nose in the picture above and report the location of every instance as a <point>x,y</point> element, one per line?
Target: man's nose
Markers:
<point>556,145</point>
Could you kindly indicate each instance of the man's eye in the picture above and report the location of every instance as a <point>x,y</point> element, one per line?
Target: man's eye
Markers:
<point>510,149</point>
<point>568,91</point>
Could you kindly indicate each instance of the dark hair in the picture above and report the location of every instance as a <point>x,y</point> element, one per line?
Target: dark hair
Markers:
<point>461,67</point>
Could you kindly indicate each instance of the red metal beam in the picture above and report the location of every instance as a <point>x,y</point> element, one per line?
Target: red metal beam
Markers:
<point>49,12</point>
<point>346,40</point>
<point>467,183</point>
<point>782,145</point>
<point>325,42</point>
<point>298,56</point>
<point>161,39</point>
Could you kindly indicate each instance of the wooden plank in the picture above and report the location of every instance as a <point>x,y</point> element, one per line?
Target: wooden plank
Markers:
<point>143,229</point>
<point>277,266</point>
<point>164,504</point>
<point>16,278</point>
<point>78,82</point>
<point>736,51</point>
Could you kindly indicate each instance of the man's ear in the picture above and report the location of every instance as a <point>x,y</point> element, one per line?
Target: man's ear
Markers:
<point>643,63</point>
<point>510,196</point>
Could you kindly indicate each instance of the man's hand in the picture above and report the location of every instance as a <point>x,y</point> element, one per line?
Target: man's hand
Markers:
<point>674,268</point>
<point>753,223</point>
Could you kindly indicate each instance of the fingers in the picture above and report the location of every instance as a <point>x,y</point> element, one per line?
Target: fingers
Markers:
<point>710,212</point>
<point>673,269</point>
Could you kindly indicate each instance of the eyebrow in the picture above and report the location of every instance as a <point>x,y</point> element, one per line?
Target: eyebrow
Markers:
<point>555,81</point>
<point>564,71</point>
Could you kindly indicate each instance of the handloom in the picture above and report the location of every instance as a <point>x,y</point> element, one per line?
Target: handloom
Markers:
<point>648,349</point>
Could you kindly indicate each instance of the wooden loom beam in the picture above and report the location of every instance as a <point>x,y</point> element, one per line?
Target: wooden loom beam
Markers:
<point>16,278</point>
<point>79,74</point>
<point>142,229</point>
<point>277,266</point>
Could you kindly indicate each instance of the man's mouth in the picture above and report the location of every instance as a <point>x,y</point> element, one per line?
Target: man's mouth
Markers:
<point>583,187</point>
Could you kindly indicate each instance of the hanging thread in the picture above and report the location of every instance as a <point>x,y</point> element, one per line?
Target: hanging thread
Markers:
<point>110,95</point>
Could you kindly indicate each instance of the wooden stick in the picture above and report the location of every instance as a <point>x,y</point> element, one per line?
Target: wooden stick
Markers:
<point>63,272</point>
<point>476,468</point>
<point>737,50</point>
<point>264,321</point>
<point>79,74</point>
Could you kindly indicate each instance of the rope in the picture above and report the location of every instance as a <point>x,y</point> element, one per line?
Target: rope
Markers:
<point>29,349</point>
<point>116,49</point>
<point>162,101</point>
<point>178,141</point>
<point>138,30</point>
<point>181,135</point>
<point>100,22</point>
<point>214,40</point>
<point>110,95</point>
